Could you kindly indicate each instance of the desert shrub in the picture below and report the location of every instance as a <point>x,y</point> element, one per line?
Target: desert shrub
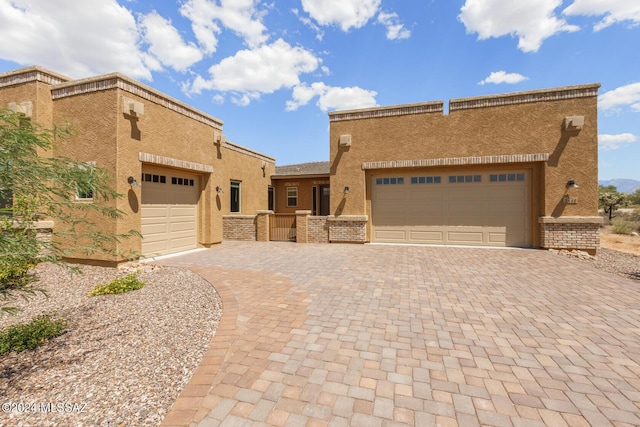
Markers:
<point>27,336</point>
<point>119,285</point>
<point>621,227</point>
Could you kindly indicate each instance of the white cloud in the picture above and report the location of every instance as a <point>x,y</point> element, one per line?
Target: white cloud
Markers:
<point>619,97</point>
<point>395,29</point>
<point>240,16</point>
<point>261,70</point>
<point>613,142</point>
<point>346,14</point>
<point>166,44</point>
<point>98,36</point>
<point>531,21</point>
<point>498,77</point>
<point>614,10</point>
<point>331,98</point>
<point>309,23</point>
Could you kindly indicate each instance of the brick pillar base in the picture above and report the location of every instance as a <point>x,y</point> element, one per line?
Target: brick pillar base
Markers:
<point>579,233</point>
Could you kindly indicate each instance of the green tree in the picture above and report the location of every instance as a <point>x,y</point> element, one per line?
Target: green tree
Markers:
<point>610,199</point>
<point>634,198</point>
<point>35,185</point>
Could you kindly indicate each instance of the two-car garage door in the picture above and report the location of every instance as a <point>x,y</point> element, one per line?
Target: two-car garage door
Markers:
<point>470,208</point>
<point>169,211</point>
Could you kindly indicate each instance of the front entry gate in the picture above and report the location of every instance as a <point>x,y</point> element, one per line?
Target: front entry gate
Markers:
<point>282,227</point>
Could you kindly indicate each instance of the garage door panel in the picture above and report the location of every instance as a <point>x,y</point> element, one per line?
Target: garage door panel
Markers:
<point>464,237</point>
<point>169,211</point>
<point>427,236</point>
<point>396,235</point>
<point>468,209</point>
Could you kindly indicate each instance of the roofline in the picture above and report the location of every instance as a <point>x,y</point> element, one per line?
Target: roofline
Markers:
<point>32,73</point>
<point>248,151</point>
<point>127,84</point>
<point>313,175</point>
<point>456,104</point>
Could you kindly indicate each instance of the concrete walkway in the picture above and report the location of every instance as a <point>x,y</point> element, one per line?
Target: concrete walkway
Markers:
<point>368,335</point>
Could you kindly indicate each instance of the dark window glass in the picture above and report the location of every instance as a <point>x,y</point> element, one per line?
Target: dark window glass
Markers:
<point>378,181</point>
<point>163,179</point>
<point>429,180</point>
<point>191,183</point>
<point>174,180</point>
<point>392,181</point>
<point>400,180</point>
<point>156,178</point>
<point>414,179</point>
<point>422,180</point>
<point>385,181</point>
<point>235,197</point>
<point>477,178</point>
<point>520,177</point>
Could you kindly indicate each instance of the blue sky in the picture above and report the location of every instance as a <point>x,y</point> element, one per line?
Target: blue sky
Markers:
<point>272,70</point>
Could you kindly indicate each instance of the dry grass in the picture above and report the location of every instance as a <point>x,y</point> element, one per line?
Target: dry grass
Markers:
<point>619,242</point>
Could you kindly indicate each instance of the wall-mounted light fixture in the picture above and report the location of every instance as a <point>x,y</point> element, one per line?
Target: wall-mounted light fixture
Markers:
<point>572,184</point>
<point>132,182</point>
<point>219,190</point>
<point>346,190</point>
<point>264,165</point>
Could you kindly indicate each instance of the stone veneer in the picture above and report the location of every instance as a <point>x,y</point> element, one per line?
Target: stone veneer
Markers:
<point>239,227</point>
<point>348,228</point>
<point>317,229</point>
<point>581,233</point>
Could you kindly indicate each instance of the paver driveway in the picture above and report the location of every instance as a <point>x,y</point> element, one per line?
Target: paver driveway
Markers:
<point>368,335</point>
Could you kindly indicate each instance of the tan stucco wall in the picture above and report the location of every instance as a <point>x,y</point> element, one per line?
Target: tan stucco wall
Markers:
<point>520,128</point>
<point>305,192</point>
<point>168,130</point>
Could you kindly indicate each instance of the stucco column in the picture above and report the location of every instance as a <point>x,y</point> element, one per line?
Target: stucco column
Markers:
<point>262,225</point>
<point>302,228</point>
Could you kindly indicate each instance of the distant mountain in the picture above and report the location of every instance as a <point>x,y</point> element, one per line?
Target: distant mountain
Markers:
<point>623,185</point>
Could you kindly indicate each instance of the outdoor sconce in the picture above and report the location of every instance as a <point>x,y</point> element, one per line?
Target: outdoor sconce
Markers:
<point>346,190</point>
<point>132,182</point>
<point>572,184</point>
<point>219,190</point>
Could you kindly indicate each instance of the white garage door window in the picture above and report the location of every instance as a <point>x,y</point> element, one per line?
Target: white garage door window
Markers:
<point>467,208</point>
<point>169,211</point>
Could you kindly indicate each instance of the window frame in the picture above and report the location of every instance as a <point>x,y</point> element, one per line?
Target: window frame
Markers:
<point>290,197</point>
<point>88,196</point>
<point>233,186</point>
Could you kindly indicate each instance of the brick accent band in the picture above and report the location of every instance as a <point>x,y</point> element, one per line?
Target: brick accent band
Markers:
<point>391,111</point>
<point>558,94</point>
<point>458,161</point>
<point>176,163</point>
<point>31,74</point>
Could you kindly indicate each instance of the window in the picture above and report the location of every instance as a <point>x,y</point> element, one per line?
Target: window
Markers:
<point>272,199</point>
<point>390,181</point>
<point>426,179</point>
<point>464,178</point>
<point>292,197</point>
<point>235,197</point>
<point>84,182</point>
<point>503,177</point>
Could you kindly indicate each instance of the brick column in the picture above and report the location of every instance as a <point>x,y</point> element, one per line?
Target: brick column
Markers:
<point>302,228</point>
<point>262,226</point>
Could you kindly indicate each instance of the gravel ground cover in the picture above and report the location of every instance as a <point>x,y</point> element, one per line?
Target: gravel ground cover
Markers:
<point>621,263</point>
<point>124,358</point>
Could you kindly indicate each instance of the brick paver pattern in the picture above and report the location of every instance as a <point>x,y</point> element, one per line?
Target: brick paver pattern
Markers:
<point>372,335</point>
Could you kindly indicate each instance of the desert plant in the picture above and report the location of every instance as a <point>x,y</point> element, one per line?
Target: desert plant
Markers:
<point>119,285</point>
<point>619,226</point>
<point>610,199</point>
<point>27,336</point>
<point>35,186</point>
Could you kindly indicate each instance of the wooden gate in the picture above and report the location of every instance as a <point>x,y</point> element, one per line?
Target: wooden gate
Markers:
<point>283,227</point>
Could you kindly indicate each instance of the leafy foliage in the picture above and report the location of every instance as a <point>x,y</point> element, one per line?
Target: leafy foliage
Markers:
<point>119,285</point>
<point>610,199</point>
<point>27,336</point>
<point>634,198</point>
<point>36,185</point>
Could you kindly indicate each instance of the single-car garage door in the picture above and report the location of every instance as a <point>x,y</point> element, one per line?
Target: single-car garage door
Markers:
<point>469,208</point>
<point>169,211</point>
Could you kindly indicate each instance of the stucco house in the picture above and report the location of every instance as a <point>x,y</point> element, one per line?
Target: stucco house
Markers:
<point>515,169</point>
<point>179,174</point>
